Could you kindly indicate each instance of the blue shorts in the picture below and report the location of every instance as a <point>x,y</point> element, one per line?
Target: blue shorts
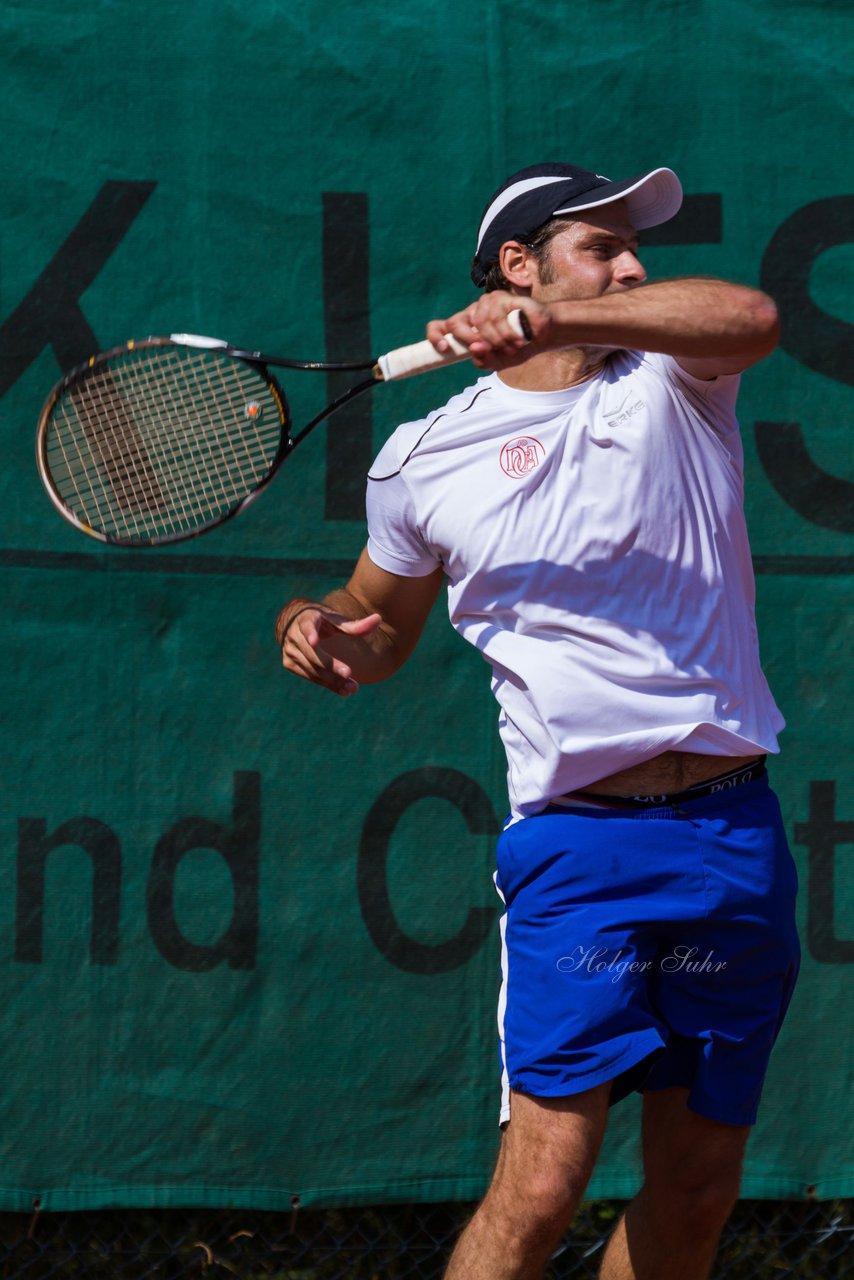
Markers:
<point>652,948</point>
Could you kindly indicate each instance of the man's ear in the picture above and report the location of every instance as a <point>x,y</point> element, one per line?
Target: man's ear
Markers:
<point>518,265</point>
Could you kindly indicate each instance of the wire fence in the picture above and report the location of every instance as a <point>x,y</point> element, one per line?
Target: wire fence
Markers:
<point>764,1240</point>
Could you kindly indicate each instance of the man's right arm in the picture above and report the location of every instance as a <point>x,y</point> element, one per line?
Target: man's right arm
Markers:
<point>711,327</point>
<point>359,634</point>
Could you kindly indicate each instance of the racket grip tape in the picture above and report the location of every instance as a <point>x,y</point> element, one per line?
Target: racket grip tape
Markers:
<point>404,362</point>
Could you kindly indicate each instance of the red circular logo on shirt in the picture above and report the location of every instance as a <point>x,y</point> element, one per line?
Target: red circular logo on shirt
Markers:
<point>521,455</point>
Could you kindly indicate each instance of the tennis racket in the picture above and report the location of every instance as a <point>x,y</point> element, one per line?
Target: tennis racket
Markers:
<point>163,439</point>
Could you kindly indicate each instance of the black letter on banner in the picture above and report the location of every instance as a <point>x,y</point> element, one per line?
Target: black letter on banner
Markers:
<point>240,847</point>
<point>34,845</point>
<point>50,313</point>
<point>699,221</point>
<point>822,834</point>
<point>816,495</point>
<point>347,320</point>
<point>818,340</point>
<point>388,937</point>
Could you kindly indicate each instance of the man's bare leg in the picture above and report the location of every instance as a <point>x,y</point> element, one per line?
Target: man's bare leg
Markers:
<point>692,1167</point>
<point>547,1155</point>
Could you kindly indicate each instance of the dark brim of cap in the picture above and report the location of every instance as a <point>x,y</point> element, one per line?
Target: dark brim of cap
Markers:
<point>651,198</point>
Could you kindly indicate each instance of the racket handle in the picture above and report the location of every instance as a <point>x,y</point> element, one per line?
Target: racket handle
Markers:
<point>403,362</point>
<point>196,340</point>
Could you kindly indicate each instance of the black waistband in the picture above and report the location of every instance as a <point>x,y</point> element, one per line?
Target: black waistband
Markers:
<point>724,782</point>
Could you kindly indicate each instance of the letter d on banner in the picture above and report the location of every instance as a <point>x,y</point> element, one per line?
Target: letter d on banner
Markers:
<point>240,847</point>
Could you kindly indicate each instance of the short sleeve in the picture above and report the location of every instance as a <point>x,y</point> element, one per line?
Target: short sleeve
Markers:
<point>720,392</point>
<point>394,542</point>
<point>712,401</point>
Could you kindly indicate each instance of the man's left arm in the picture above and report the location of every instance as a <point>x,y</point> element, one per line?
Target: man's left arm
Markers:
<point>710,327</point>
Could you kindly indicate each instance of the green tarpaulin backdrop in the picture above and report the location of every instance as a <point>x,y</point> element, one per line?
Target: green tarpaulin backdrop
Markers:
<point>249,932</point>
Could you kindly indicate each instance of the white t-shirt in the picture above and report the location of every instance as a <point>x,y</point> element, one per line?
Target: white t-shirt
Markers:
<point>596,552</point>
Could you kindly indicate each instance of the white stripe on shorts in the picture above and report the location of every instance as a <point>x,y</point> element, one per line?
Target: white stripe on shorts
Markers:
<point>504,1114</point>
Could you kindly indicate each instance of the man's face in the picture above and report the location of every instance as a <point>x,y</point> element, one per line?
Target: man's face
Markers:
<point>597,254</point>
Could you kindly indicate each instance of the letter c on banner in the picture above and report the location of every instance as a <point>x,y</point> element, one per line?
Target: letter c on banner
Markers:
<point>402,951</point>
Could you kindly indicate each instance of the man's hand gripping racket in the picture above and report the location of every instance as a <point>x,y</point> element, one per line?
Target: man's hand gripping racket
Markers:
<point>163,439</point>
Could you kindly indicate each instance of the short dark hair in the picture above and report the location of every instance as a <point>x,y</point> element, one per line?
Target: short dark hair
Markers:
<point>538,242</point>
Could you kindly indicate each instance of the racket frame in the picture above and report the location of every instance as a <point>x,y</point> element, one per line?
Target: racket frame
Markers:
<point>402,362</point>
<point>81,372</point>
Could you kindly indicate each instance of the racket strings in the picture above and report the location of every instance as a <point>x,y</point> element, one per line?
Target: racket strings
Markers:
<point>96,455</point>
<point>159,441</point>
<point>212,477</point>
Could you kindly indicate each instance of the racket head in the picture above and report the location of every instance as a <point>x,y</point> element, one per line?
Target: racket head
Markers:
<point>155,442</point>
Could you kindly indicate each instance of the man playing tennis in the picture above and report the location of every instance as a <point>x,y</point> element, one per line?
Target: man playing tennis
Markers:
<point>583,502</point>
